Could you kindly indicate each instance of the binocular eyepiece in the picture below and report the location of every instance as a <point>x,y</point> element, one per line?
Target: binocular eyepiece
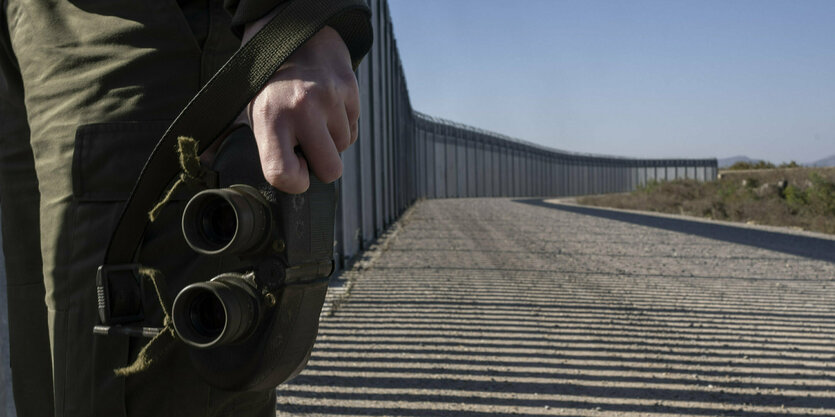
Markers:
<point>234,220</point>
<point>219,312</point>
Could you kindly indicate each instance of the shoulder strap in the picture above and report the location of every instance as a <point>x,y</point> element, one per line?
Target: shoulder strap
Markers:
<point>216,106</point>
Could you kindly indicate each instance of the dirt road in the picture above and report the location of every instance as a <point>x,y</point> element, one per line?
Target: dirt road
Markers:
<point>494,307</point>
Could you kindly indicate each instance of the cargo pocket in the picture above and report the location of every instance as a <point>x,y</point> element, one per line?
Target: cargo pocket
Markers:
<point>107,160</point>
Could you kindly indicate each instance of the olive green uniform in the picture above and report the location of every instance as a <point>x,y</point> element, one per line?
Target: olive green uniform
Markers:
<point>87,88</point>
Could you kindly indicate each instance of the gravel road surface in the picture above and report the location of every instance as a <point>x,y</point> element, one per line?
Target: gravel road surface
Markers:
<point>495,307</point>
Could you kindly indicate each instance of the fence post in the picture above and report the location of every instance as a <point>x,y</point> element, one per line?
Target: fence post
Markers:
<point>6,398</point>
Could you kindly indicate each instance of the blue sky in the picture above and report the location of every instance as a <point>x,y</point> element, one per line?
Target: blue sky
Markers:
<point>631,78</point>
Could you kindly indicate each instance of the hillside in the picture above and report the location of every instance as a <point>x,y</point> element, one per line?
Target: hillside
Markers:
<point>726,162</point>
<point>825,162</point>
<point>799,197</point>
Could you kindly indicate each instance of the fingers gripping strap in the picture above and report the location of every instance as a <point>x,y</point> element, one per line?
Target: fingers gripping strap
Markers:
<point>217,104</point>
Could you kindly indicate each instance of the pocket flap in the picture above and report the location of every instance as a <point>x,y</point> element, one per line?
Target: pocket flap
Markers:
<point>109,157</point>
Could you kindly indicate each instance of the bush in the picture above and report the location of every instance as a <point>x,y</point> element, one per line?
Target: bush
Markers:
<point>795,197</point>
<point>742,165</point>
<point>803,198</point>
<point>821,195</point>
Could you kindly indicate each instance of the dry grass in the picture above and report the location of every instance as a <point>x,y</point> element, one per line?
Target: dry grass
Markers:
<point>798,197</point>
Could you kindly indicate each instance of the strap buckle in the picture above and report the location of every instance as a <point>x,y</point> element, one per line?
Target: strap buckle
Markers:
<point>119,290</point>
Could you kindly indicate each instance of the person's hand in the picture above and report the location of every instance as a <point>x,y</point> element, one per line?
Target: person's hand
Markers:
<point>307,113</point>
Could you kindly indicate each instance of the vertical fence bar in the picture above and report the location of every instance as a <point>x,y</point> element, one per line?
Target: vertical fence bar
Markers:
<point>440,163</point>
<point>464,160</point>
<point>385,103</point>
<point>6,398</point>
<point>452,162</point>
<point>482,158</point>
<point>472,166</point>
<point>518,173</point>
<point>432,157</point>
<point>366,145</point>
<point>497,173</point>
<point>378,108</point>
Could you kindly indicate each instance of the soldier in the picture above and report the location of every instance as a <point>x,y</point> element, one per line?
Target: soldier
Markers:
<point>87,89</point>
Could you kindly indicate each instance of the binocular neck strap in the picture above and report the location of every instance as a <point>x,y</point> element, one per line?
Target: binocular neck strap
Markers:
<point>218,103</point>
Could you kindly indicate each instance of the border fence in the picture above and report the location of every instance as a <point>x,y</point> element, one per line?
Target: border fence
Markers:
<point>403,155</point>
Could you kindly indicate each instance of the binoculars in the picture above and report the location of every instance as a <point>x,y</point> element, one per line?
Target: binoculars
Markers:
<point>276,236</point>
<point>250,324</point>
<point>226,309</point>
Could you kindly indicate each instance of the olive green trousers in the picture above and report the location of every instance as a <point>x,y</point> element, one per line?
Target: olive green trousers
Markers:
<point>87,88</point>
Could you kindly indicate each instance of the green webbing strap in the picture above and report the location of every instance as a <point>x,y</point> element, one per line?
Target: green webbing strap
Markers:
<point>217,104</point>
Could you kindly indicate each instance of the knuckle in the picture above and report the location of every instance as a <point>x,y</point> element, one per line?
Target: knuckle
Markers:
<point>314,95</point>
<point>341,142</point>
<point>330,172</point>
<point>285,181</point>
<point>262,107</point>
<point>301,99</point>
<point>354,132</point>
<point>348,81</point>
<point>352,107</point>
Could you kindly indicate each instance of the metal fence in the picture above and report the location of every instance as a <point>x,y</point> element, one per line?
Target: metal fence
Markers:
<point>403,155</point>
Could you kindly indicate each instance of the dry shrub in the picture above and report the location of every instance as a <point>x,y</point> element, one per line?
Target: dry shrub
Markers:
<point>806,198</point>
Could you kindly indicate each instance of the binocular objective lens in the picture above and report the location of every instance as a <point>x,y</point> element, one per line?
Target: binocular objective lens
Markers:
<point>207,315</point>
<point>219,222</point>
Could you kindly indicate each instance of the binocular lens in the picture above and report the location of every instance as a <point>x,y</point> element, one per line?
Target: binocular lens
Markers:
<point>219,222</point>
<point>233,220</point>
<point>215,313</point>
<point>206,315</point>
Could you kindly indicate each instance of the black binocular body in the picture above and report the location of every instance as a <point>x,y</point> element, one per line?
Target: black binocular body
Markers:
<point>253,323</point>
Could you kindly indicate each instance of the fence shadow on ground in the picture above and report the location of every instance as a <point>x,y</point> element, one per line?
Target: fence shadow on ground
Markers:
<point>493,358</point>
<point>489,321</point>
<point>806,246</point>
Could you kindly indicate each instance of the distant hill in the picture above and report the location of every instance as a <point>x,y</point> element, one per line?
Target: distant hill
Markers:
<point>726,162</point>
<point>825,162</point>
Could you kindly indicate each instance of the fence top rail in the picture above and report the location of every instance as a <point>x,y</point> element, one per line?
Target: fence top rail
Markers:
<point>469,133</point>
